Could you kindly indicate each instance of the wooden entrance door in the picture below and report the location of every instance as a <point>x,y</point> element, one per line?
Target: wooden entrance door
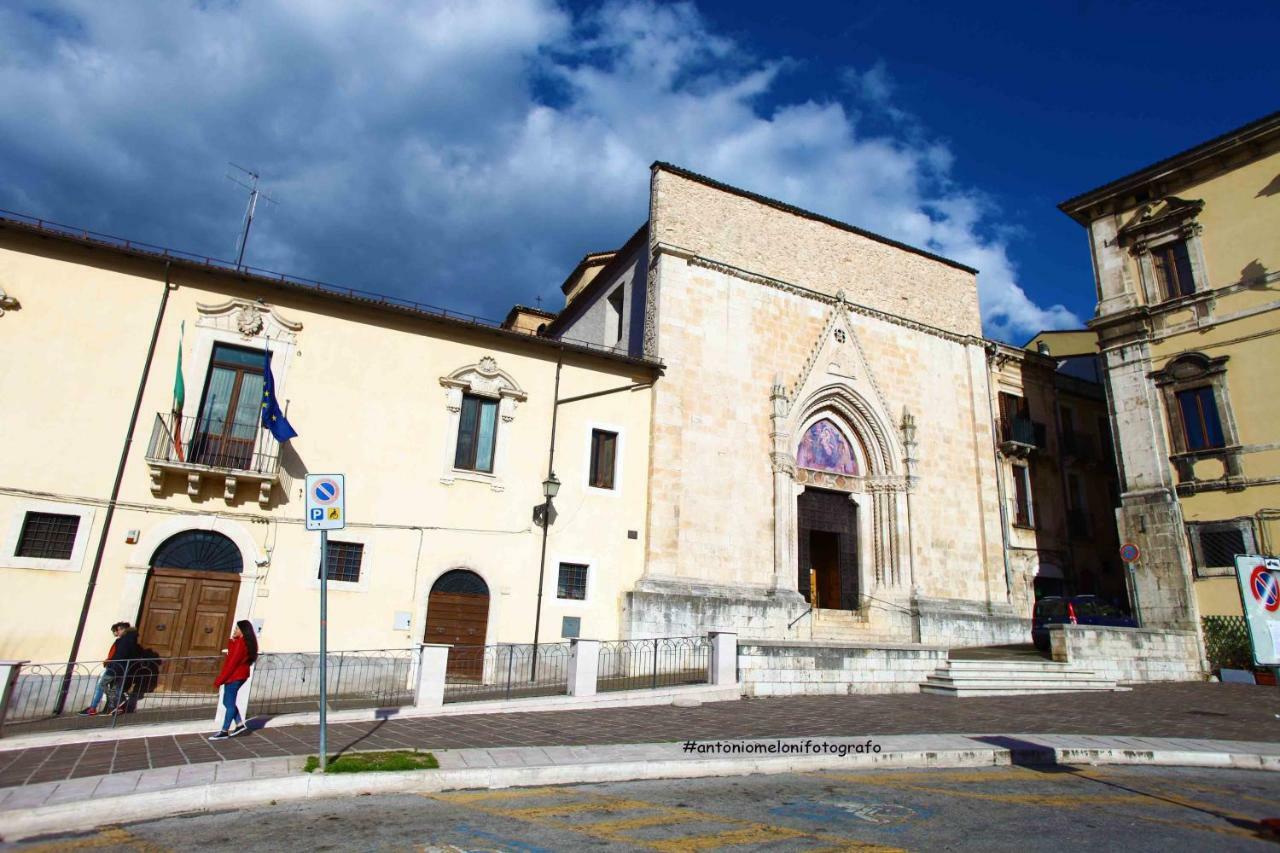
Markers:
<point>188,614</point>
<point>458,614</point>
<point>828,544</point>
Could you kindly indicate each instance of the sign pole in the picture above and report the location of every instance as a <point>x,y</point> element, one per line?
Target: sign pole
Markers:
<point>1130,553</point>
<point>324,648</point>
<point>326,510</point>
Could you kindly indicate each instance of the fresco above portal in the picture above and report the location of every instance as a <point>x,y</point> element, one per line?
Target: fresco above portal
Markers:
<point>824,448</point>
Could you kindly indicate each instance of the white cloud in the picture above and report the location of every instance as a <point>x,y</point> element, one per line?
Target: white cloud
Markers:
<point>460,153</point>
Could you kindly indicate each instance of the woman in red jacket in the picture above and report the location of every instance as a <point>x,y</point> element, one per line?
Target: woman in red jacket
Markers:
<point>242,651</point>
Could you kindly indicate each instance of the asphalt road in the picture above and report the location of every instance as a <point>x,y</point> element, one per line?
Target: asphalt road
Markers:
<point>1129,808</point>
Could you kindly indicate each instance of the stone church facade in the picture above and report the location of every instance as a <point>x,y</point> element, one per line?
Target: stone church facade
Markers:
<point>822,433</point>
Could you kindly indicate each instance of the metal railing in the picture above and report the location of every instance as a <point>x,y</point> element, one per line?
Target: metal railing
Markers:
<point>213,443</point>
<point>1019,430</point>
<point>649,664</point>
<point>289,683</point>
<point>176,689</point>
<point>476,673</point>
<point>128,692</point>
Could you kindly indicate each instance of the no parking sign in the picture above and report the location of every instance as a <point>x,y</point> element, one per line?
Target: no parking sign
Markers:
<point>326,502</point>
<point>1259,579</point>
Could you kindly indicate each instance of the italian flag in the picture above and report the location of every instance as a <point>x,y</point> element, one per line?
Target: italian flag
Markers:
<point>179,397</point>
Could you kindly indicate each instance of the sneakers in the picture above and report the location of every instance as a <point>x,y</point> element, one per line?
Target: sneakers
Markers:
<point>88,712</point>
<point>221,736</point>
<point>239,730</point>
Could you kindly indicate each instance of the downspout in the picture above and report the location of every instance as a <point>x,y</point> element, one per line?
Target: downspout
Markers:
<point>546,510</point>
<point>1004,510</point>
<point>115,495</point>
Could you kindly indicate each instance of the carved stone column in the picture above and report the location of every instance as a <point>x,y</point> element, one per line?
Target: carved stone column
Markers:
<point>784,501</point>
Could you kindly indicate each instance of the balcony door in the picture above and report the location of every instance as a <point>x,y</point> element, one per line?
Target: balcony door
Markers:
<point>230,411</point>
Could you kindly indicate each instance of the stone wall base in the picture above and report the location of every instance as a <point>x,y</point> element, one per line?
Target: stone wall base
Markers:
<point>808,668</point>
<point>958,622</point>
<point>1129,655</point>
<point>675,608</point>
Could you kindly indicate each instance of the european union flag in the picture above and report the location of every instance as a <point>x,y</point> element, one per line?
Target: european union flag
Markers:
<point>272,418</point>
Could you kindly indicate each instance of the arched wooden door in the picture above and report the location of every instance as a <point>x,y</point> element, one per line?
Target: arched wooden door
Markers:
<point>189,606</point>
<point>458,614</point>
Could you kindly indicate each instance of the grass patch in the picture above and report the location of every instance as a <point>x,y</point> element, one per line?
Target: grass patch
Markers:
<point>372,762</point>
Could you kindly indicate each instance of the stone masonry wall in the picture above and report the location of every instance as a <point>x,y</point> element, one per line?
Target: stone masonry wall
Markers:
<point>1129,654</point>
<point>808,669</point>
<point>783,245</point>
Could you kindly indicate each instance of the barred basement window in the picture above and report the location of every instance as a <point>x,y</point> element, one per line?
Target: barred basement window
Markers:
<point>572,583</point>
<point>1215,544</point>
<point>344,559</point>
<point>47,535</point>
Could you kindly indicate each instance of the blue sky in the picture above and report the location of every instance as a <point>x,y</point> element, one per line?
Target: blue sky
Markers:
<point>468,154</point>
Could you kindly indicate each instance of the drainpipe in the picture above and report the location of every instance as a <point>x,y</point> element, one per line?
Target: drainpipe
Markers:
<point>546,513</point>
<point>1004,510</point>
<point>115,495</point>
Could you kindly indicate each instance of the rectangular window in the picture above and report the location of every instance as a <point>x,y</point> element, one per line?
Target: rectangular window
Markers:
<point>1077,512</point>
<point>1215,545</point>
<point>604,448</point>
<point>572,583</point>
<point>477,434</point>
<point>47,535</point>
<point>1022,496</point>
<point>1200,421</point>
<point>231,409</point>
<point>614,332</point>
<point>344,559</point>
<point>1172,264</point>
<point>1220,547</point>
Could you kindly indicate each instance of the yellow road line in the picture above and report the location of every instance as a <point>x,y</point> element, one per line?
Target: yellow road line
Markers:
<point>503,794</point>
<point>111,836</point>
<point>574,808</point>
<point>757,833</point>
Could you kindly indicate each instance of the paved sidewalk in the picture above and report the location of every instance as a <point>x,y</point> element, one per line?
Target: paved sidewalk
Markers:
<point>88,802</point>
<point>1181,710</point>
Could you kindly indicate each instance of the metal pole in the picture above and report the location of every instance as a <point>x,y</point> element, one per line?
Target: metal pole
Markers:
<point>324,648</point>
<point>546,514</point>
<point>1132,577</point>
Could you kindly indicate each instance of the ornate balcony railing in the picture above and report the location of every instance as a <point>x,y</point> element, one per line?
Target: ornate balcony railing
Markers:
<point>205,446</point>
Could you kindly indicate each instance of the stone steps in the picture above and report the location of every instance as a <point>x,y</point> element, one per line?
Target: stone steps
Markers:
<point>962,678</point>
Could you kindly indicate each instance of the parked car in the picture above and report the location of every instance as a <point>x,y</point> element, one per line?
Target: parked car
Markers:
<point>1089,610</point>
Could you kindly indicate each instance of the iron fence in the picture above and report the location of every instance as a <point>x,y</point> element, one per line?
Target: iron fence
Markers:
<point>1226,642</point>
<point>658,662</point>
<point>53,696</point>
<point>509,671</point>
<point>178,689</point>
<point>213,442</point>
<point>286,683</point>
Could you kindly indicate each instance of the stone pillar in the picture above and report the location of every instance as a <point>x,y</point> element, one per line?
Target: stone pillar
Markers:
<point>242,701</point>
<point>433,660</point>
<point>783,463</point>
<point>584,666</point>
<point>8,681</point>
<point>722,668</point>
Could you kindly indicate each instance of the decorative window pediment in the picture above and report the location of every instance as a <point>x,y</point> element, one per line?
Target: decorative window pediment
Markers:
<point>485,441</point>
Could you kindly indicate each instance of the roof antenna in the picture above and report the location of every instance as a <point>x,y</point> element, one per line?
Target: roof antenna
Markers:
<point>254,194</point>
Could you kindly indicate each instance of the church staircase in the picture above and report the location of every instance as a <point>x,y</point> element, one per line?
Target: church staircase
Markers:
<point>847,626</point>
<point>1010,671</point>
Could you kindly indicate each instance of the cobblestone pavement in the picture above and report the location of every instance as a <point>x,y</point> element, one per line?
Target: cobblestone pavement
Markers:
<point>1218,711</point>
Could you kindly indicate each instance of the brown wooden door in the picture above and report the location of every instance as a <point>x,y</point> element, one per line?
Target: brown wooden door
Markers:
<point>188,614</point>
<point>459,619</point>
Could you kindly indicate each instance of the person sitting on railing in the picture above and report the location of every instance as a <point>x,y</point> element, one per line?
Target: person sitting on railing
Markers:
<point>106,680</point>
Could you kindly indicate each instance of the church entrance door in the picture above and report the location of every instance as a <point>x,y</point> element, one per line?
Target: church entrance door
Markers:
<point>828,549</point>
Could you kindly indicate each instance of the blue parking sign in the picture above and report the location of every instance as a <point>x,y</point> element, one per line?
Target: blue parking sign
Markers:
<point>317,514</point>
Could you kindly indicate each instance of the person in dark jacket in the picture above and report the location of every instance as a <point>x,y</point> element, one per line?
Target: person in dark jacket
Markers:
<point>242,652</point>
<point>107,680</point>
<point>126,650</point>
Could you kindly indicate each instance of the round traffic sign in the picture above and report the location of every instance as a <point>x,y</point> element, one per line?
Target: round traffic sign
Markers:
<point>1265,588</point>
<point>326,492</point>
<point>1130,552</point>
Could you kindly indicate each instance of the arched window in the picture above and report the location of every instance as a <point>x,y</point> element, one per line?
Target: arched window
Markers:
<point>461,582</point>
<point>201,550</point>
<point>824,448</point>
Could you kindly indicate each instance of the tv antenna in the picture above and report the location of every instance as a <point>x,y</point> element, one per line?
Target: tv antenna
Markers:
<point>254,195</point>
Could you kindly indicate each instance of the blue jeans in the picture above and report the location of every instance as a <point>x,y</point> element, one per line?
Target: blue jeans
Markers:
<point>229,691</point>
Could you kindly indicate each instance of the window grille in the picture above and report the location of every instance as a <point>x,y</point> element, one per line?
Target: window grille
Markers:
<point>344,559</point>
<point>572,583</point>
<point>48,535</point>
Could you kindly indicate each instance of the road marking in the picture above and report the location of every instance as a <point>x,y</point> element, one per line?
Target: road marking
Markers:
<point>111,836</point>
<point>621,831</point>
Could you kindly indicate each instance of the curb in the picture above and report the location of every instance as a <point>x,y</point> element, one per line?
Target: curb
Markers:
<point>220,796</point>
